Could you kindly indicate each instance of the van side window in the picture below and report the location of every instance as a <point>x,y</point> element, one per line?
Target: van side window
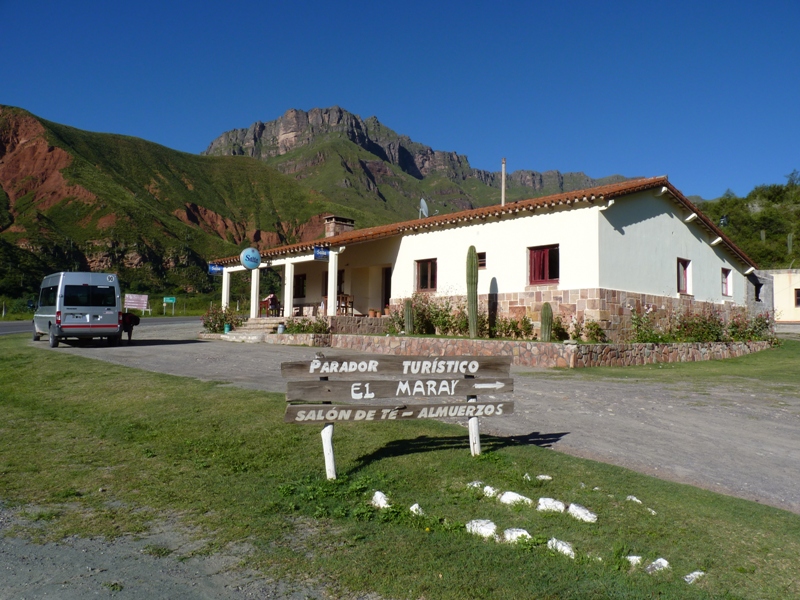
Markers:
<point>47,297</point>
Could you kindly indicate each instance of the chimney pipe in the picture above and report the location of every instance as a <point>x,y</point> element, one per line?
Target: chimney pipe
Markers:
<point>503,185</point>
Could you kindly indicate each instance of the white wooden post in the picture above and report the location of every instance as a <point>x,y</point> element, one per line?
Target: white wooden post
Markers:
<point>255,284</point>
<point>226,288</point>
<point>333,275</point>
<point>327,450</point>
<point>474,432</point>
<point>288,289</point>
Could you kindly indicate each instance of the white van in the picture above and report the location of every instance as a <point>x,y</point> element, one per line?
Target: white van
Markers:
<point>78,305</point>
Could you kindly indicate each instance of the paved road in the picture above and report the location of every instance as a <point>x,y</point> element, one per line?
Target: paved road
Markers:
<point>9,327</point>
<point>738,441</point>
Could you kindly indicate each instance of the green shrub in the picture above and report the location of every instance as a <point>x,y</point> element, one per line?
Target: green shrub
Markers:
<point>705,326</point>
<point>307,325</point>
<point>216,318</point>
<point>594,333</point>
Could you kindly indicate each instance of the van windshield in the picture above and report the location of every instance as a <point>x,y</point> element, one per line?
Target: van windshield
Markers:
<point>89,295</point>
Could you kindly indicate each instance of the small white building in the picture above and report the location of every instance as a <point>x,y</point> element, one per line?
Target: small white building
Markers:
<point>786,297</point>
<point>595,254</point>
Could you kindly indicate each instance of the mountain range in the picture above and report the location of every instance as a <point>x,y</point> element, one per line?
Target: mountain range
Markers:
<point>77,200</point>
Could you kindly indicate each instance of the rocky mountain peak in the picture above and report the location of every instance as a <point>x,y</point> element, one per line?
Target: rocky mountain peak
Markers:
<point>298,128</point>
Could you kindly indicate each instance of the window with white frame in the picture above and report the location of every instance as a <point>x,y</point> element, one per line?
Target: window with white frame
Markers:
<point>426,275</point>
<point>543,264</point>
<point>684,276</point>
<point>726,282</point>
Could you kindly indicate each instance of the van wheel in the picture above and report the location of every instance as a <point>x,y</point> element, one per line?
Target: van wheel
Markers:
<point>53,339</point>
<point>114,340</point>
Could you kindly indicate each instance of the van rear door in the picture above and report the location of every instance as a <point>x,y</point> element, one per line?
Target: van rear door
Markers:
<point>90,310</point>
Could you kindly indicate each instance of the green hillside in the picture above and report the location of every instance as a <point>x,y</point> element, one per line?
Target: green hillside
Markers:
<point>765,223</point>
<point>133,225</point>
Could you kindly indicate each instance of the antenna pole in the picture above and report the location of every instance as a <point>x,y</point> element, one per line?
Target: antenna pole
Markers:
<point>503,185</point>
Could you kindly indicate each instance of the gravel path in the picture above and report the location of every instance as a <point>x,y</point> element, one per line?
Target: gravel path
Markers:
<point>738,441</point>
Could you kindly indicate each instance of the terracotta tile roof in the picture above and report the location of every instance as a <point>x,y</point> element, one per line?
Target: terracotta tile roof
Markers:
<point>588,196</point>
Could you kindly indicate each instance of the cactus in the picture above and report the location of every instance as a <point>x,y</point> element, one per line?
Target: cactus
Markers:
<point>547,322</point>
<point>472,291</point>
<point>408,313</point>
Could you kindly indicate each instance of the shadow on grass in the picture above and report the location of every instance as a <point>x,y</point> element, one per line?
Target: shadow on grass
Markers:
<point>425,443</point>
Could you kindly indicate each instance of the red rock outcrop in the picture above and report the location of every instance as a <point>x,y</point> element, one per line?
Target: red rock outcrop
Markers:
<point>29,164</point>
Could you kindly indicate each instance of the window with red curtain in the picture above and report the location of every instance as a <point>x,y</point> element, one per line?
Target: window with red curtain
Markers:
<point>543,264</point>
<point>726,282</point>
<point>683,276</point>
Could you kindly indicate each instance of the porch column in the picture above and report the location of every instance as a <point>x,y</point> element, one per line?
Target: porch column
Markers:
<point>255,281</point>
<point>226,288</point>
<point>333,277</point>
<point>288,289</point>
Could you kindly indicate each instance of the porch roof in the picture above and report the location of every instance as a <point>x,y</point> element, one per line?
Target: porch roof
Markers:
<point>586,197</point>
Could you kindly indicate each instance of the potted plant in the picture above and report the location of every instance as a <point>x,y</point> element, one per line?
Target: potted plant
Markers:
<point>387,311</point>
<point>373,312</point>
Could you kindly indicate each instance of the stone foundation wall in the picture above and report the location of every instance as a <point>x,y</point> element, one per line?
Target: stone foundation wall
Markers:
<point>530,354</point>
<point>611,309</point>
<point>540,354</point>
<point>358,325</point>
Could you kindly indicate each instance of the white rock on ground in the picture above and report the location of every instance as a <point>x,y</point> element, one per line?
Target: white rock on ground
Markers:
<point>489,491</point>
<point>658,564</point>
<point>417,509</point>
<point>526,477</point>
<point>564,548</point>
<point>693,576</point>
<point>633,499</point>
<point>379,500</point>
<point>549,504</point>
<point>582,514</point>
<point>475,484</point>
<point>482,527</point>
<point>651,511</point>
<point>515,535</point>
<point>544,478</point>
<point>634,560</point>
<point>513,498</point>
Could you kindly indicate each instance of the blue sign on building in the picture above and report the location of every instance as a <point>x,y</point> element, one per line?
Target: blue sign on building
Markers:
<point>321,253</point>
<point>214,269</point>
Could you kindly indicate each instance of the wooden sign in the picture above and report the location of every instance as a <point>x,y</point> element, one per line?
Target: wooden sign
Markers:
<point>349,366</point>
<point>320,414</point>
<point>343,391</point>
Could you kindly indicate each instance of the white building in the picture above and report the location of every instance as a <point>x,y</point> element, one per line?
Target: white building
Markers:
<point>594,254</point>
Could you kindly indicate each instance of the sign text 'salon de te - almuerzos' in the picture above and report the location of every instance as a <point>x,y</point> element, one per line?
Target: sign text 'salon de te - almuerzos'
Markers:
<point>326,413</point>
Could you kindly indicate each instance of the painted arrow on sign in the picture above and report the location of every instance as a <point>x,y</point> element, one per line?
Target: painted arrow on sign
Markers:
<point>497,385</point>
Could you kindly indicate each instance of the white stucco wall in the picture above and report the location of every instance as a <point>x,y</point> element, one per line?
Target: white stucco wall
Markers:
<point>505,242</point>
<point>785,282</point>
<point>641,240</point>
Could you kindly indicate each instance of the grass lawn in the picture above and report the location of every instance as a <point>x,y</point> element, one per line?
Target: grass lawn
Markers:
<point>775,368</point>
<point>97,449</point>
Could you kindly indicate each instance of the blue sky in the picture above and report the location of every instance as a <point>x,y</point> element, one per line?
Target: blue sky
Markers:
<point>705,92</point>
